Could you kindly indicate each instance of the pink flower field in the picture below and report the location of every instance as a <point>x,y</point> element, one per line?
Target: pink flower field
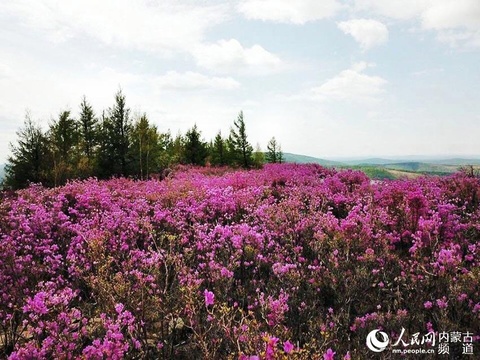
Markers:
<point>286,262</point>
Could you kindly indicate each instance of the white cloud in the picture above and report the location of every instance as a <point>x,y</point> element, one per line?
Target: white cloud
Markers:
<point>173,80</point>
<point>230,55</point>
<point>158,27</point>
<point>289,11</point>
<point>351,84</point>
<point>135,24</point>
<point>395,9</point>
<point>457,23</point>
<point>447,14</point>
<point>367,32</point>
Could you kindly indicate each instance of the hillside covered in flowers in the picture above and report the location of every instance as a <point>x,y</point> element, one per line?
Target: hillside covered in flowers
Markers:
<point>286,262</point>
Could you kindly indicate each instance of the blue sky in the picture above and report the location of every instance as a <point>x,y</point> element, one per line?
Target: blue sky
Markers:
<point>327,78</point>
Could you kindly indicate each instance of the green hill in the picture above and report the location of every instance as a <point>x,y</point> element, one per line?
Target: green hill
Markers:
<point>426,168</point>
<point>456,161</point>
<point>303,159</point>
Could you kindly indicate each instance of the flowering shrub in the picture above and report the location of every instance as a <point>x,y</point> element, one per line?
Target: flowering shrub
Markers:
<point>291,261</point>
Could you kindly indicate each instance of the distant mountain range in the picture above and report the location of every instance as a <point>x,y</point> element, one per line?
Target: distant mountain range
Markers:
<point>380,168</point>
<point>381,161</point>
<point>413,160</point>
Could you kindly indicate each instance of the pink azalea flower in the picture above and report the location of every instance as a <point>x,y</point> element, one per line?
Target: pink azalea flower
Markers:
<point>288,347</point>
<point>209,297</point>
<point>442,303</point>
<point>329,355</point>
<point>271,346</point>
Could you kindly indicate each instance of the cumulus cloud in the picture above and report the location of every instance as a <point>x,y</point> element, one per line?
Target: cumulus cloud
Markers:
<point>162,28</point>
<point>367,32</point>
<point>443,14</point>
<point>351,84</point>
<point>189,80</point>
<point>230,55</point>
<point>288,11</point>
<point>139,24</point>
<point>456,23</point>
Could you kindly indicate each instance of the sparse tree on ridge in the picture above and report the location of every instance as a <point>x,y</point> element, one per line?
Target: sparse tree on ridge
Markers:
<point>115,139</point>
<point>119,116</point>
<point>88,123</point>
<point>274,153</point>
<point>29,157</point>
<point>195,149</point>
<point>145,147</point>
<point>88,129</point>
<point>239,143</point>
<point>177,150</point>
<point>165,144</point>
<point>280,154</point>
<point>63,138</point>
<point>258,157</point>
<point>232,152</point>
<point>219,151</point>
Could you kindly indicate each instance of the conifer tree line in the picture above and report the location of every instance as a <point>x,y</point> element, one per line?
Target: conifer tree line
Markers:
<point>116,143</point>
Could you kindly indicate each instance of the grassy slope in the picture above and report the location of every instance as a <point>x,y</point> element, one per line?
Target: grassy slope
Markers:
<point>423,167</point>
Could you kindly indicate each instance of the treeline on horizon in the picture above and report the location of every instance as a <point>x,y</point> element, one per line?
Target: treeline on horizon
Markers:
<point>117,144</point>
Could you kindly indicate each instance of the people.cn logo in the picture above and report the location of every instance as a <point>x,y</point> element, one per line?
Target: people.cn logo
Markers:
<point>376,345</point>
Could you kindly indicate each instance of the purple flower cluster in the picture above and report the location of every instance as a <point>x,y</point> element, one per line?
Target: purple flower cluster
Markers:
<point>292,261</point>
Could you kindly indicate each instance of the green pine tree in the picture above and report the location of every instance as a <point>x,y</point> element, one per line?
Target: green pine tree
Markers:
<point>145,147</point>
<point>88,128</point>
<point>241,148</point>
<point>258,157</point>
<point>63,140</point>
<point>274,151</point>
<point>219,151</point>
<point>115,140</point>
<point>195,149</point>
<point>29,159</point>
<point>172,150</point>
